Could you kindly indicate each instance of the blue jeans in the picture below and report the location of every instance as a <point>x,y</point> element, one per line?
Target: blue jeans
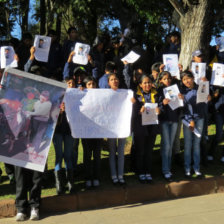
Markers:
<point>192,142</point>
<point>116,145</point>
<point>67,153</point>
<point>169,130</point>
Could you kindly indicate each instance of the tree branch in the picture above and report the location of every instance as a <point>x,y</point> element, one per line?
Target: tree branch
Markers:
<point>179,8</point>
<point>188,2</point>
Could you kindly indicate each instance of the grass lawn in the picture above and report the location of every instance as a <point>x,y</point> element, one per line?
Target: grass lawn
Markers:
<point>215,169</point>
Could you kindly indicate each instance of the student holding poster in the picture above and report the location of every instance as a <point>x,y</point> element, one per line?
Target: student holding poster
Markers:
<point>116,144</point>
<point>194,116</point>
<point>169,121</point>
<point>144,136</point>
<point>91,147</point>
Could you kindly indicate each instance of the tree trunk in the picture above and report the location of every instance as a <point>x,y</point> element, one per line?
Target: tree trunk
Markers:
<point>42,17</point>
<point>58,26</point>
<point>195,30</point>
<point>25,12</point>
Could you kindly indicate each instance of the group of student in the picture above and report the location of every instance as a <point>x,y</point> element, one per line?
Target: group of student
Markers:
<point>105,70</point>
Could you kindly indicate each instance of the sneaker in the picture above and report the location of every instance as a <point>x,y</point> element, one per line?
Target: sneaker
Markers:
<point>34,214</point>
<point>168,177</point>
<point>210,158</point>
<point>148,178</point>
<point>222,159</point>
<point>114,180</point>
<point>187,174</point>
<point>142,178</point>
<point>121,181</point>
<point>198,174</point>
<point>20,216</point>
<point>88,183</point>
<point>96,183</point>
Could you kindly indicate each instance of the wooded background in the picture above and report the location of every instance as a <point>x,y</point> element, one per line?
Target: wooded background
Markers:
<point>150,21</point>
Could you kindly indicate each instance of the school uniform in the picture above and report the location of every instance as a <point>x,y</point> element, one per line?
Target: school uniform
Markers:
<point>144,135</point>
<point>192,112</point>
<point>168,120</point>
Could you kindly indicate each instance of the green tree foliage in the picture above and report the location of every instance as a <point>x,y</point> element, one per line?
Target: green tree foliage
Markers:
<point>6,19</point>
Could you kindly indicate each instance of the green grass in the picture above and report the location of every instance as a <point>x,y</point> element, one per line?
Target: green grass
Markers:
<point>216,169</point>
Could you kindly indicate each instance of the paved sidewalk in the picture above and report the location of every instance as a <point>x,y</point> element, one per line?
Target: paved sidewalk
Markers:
<point>119,196</point>
<point>194,210</point>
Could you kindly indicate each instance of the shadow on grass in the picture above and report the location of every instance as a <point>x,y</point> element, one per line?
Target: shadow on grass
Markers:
<point>215,169</point>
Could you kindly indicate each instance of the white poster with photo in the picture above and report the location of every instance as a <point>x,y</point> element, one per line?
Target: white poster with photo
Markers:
<point>99,113</point>
<point>131,57</point>
<point>81,53</point>
<point>150,116</point>
<point>220,42</point>
<point>203,92</point>
<point>199,71</point>
<point>171,64</point>
<point>171,93</point>
<point>217,74</point>
<point>42,47</point>
<point>7,57</point>
<point>29,109</point>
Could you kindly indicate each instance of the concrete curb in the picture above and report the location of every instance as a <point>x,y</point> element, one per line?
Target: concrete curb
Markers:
<point>117,196</point>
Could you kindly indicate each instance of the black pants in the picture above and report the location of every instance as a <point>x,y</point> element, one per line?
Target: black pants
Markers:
<point>143,151</point>
<point>27,181</point>
<point>9,169</point>
<point>92,147</point>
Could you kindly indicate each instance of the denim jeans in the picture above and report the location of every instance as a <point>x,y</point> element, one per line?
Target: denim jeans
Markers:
<point>169,130</point>
<point>192,142</point>
<point>67,153</point>
<point>176,143</point>
<point>116,145</point>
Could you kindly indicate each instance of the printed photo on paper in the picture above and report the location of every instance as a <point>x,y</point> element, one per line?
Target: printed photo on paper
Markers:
<point>199,70</point>
<point>7,57</point>
<point>150,116</point>
<point>171,64</point>
<point>42,47</point>
<point>81,53</point>
<point>171,93</point>
<point>217,74</point>
<point>29,108</point>
<point>203,92</point>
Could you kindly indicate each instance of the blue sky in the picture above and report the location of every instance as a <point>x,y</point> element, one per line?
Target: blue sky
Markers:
<point>17,31</point>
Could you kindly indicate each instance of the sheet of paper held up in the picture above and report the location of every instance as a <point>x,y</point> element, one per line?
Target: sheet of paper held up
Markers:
<point>42,47</point>
<point>149,116</point>
<point>131,57</point>
<point>81,53</point>
<point>203,92</point>
<point>171,92</point>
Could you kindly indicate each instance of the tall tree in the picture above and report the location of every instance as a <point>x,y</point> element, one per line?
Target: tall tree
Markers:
<point>196,22</point>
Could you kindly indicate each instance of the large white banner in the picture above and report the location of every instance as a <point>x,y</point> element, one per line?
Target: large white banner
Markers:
<point>99,113</point>
<point>29,109</point>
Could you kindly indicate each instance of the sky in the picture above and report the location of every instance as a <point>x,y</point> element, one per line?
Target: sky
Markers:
<point>17,31</point>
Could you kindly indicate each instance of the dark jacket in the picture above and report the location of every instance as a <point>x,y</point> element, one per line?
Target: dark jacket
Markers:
<point>166,113</point>
<point>141,98</point>
<point>192,110</point>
